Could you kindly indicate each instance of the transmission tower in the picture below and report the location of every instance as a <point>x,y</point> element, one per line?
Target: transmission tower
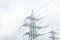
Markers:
<point>33,34</point>
<point>53,34</point>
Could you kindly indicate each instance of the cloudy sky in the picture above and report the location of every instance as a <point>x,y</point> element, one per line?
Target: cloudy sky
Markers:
<point>13,12</point>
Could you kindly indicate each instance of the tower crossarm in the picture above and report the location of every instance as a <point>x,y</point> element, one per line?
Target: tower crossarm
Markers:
<point>53,32</point>
<point>26,24</point>
<point>41,27</point>
<point>27,33</point>
<point>53,37</point>
<point>37,27</point>
<point>32,18</point>
<point>33,35</point>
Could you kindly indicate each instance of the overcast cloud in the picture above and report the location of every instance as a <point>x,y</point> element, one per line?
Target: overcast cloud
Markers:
<point>13,12</point>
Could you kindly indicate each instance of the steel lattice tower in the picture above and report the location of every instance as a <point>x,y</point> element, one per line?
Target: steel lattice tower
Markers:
<point>33,34</point>
<point>53,34</point>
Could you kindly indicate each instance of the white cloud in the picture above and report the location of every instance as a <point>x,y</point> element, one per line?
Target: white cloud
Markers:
<point>19,9</point>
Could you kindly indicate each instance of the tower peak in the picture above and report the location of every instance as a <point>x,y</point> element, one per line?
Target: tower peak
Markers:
<point>32,14</point>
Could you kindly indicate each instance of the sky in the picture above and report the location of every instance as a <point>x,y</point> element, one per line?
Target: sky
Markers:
<point>13,12</point>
